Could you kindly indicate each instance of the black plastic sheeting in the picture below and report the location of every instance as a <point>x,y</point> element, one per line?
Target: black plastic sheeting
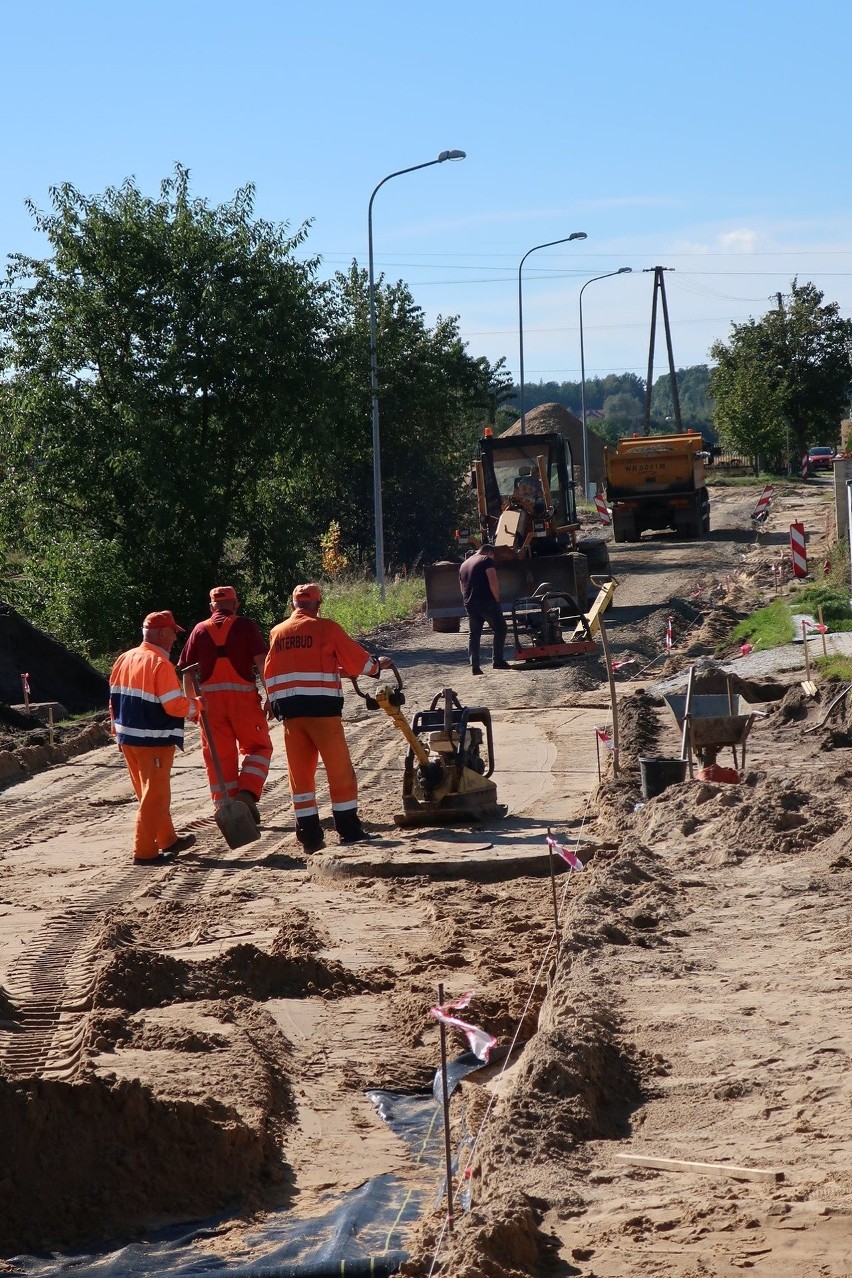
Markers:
<point>360,1234</point>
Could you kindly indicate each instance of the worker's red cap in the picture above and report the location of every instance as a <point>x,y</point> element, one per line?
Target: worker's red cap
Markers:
<point>223,594</point>
<point>162,621</point>
<point>307,593</point>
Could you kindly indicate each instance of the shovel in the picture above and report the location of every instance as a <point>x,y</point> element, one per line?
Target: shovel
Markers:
<point>232,817</point>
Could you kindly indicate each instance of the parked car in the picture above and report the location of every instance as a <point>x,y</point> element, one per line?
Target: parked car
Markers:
<point>821,457</point>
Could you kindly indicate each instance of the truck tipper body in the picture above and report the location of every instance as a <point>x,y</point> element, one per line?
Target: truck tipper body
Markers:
<point>657,482</point>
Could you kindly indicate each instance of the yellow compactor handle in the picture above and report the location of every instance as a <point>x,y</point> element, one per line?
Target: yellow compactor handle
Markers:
<point>391,700</point>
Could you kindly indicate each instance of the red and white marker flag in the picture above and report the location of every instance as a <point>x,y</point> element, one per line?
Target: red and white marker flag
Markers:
<point>604,737</point>
<point>817,626</point>
<point>25,684</point>
<point>669,633</point>
<point>604,512</point>
<point>480,1041</point>
<point>567,855</point>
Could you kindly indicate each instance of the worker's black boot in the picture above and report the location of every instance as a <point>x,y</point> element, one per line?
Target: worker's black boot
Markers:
<point>349,827</point>
<point>310,834</point>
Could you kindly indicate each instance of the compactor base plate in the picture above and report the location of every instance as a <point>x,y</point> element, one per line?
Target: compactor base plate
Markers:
<point>455,812</point>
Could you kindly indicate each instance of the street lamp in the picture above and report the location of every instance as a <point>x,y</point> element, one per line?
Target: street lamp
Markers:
<point>575,235</point>
<point>622,270</point>
<point>374,368</point>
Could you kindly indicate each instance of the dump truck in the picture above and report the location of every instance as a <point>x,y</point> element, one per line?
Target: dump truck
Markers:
<point>658,481</point>
<point>524,486</point>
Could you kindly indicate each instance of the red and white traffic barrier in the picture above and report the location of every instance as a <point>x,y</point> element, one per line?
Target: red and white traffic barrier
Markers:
<point>761,509</point>
<point>604,512</point>
<point>798,550</point>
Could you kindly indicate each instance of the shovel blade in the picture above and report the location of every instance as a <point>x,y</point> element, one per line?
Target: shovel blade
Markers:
<point>236,823</point>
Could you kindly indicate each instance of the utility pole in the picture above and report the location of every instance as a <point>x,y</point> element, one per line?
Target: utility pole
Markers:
<point>659,283</point>
<point>780,298</point>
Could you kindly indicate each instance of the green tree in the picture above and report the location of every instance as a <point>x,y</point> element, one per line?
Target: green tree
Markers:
<point>785,375</point>
<point>696,406</point>
<point>569,394</point>
<point>158,368</point>
<point>434,400</point>
<point>622,414</point>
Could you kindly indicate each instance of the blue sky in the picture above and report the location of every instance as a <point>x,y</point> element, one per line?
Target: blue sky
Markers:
<point>709,139</point>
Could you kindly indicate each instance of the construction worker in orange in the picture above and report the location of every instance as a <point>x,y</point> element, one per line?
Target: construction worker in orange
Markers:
<point>147,709</point>
<point>307,655</point>
<point>230,651</point>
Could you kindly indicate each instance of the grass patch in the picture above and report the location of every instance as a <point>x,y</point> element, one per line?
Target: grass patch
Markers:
<point>835,667</point>
<point>833,599</point>
<point>768,626</point>
<point>779,622</point>
<point>355,604</point>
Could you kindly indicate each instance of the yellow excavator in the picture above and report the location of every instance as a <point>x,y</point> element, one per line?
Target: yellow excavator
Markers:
<point>524,486</point>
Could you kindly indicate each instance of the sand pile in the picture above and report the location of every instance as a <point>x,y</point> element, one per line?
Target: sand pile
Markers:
<point>55,673</point>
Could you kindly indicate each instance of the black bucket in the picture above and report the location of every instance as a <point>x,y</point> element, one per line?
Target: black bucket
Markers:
<point>659,774</point>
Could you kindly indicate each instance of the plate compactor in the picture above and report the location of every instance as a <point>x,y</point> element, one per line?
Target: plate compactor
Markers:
<point>446,780</point>
<point>541,625</point>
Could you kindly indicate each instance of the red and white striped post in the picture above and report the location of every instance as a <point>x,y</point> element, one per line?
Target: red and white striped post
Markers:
<point>798,550</point>
<point>669,621</point>
<point>762,502</point>
<point>604,514</point>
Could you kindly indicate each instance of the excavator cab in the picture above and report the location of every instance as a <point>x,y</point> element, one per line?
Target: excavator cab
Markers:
<point>525,492</point>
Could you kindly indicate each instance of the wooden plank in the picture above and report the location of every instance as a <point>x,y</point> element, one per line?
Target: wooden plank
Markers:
<point>720,1171</point>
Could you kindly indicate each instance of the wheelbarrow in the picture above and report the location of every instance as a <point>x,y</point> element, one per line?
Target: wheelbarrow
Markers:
<point>715,721</point>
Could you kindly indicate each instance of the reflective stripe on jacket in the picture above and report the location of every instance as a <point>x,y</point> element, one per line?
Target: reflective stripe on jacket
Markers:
<point>146,702</point>
<point>306,657</point>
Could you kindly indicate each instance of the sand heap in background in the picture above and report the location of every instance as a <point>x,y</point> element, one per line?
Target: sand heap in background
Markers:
<point>555,418</point>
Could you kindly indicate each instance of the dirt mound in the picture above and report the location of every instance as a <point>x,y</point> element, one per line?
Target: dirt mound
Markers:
<point>558,420</point>
<point>32,752</point>
<point>638,728</point>
<point>135,978</point>
<point>85,1160</point>
<point>55,673</point>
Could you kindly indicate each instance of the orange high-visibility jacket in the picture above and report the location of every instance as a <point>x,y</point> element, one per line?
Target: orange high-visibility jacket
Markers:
<point>146,702</point>
<point>306,657</point>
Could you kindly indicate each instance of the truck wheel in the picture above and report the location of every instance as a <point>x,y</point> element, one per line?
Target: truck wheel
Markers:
<point>594,548</point>
<point>446,625</point>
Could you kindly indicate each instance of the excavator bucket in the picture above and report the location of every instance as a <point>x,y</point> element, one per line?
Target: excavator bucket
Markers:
<point>566,573</point>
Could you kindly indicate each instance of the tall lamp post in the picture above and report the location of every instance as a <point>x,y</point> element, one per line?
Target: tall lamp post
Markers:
<point>575,235</point>
<point>374,367</point>
<point>622,270</point>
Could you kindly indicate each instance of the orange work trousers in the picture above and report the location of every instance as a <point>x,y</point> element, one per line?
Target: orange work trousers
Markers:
<point>150,769</point>
<point>241,737</point>
<point>307,740</point>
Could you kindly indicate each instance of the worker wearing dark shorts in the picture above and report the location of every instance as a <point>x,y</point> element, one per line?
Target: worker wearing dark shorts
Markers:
<point>481,598</point>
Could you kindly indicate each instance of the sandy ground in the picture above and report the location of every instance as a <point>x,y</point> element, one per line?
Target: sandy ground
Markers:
<point>207,1038</point>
